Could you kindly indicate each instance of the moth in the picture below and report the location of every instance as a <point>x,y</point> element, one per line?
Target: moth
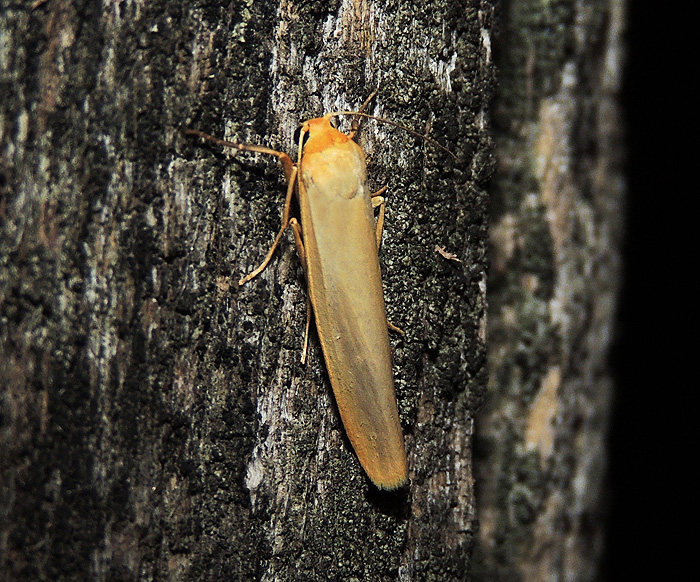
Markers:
<point>337,239</point>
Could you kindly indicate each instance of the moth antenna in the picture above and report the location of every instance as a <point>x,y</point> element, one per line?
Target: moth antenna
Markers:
<point>356,122</point>
<point>390,122</point>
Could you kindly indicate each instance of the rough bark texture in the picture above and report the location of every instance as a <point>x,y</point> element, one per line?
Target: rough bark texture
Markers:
<point>556,230</point>
<point>155,420</point>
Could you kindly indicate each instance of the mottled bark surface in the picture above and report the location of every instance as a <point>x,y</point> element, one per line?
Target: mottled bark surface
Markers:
<point>556,244</point>
<point>155,420</point>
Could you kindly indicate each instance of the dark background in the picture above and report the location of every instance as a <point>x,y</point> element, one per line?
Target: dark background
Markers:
<point>653,458</point>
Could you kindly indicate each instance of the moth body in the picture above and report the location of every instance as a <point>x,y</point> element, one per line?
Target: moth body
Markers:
<point>338,242</point>
<point>345,286</point>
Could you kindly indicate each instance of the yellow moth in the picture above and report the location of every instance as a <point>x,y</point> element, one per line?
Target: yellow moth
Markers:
<point>338,243</point>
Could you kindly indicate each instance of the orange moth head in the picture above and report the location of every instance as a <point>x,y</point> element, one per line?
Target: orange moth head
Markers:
<point>322,134</point>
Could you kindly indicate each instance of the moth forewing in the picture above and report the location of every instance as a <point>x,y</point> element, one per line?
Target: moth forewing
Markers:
<point>348,303</point>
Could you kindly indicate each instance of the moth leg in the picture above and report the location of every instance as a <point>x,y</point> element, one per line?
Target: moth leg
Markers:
<point>392,327</point>
<point>290,171</point>
<point>286,161</point>
<point>380,201</point>
<point>296,229</point>
<point>285,224</point>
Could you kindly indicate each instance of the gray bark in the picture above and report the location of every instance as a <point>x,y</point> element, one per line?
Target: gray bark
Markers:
<point>155,420</point>
<point>555,272</point>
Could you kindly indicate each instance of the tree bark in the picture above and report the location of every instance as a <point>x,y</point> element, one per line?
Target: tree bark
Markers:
<point>156,422</point>
<point>556,241</point>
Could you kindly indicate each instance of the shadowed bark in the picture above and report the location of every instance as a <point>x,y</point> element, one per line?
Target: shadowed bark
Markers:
<point>556,218</point>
